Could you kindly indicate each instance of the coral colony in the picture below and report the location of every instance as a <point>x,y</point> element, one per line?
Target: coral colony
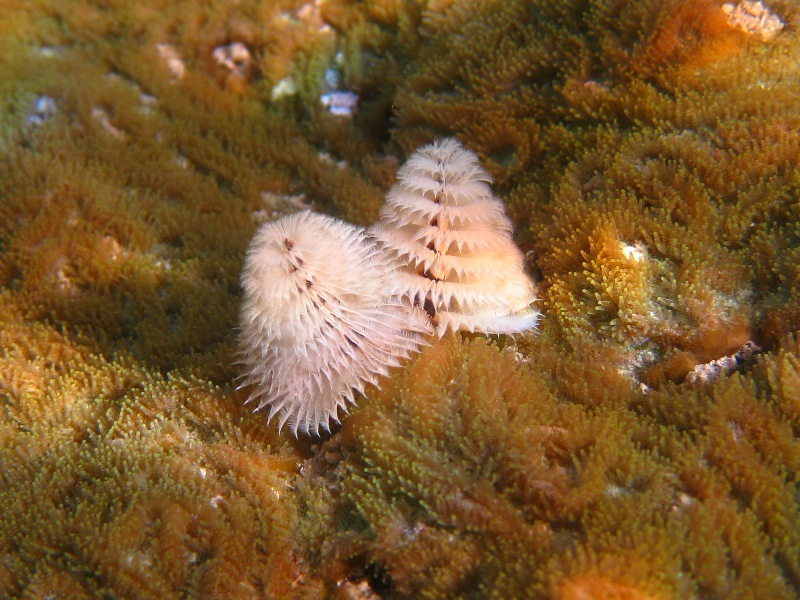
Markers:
<point>643,444</point>
<point>328,309</point>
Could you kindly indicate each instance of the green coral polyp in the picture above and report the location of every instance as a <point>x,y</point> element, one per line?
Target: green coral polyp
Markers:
<point>469,455</point>
<point>646,153</point>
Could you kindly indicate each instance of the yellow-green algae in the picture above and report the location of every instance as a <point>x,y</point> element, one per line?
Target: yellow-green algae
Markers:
<point>648,155</point>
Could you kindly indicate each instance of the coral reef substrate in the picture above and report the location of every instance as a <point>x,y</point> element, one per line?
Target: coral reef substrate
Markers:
<point>646,153</point>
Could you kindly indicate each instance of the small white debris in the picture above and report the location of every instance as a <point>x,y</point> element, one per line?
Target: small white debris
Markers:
<point>635,253</point>
<point>175,65</point>
<point>108,247</point>
<point>276,200</point>
<point>753,18</point>
<point>51,51</point>
<point>262,216</point>
<point>355,590</point>
<point>710,371</point>
<point>101,116</point>
<point>277,204</point>
<point>284,88</point>
<point>615,491</point>
<point>681,502</point>
<point>64,284</point>
<point>234,57</point>
<point>43,109</point>
<point>138,560</point>
<point>342,104</point>
<point>328,160</point>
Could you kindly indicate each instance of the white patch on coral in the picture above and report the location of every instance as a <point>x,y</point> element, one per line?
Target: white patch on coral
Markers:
<point>328,160</point>
<point>276,204</point>
<point>634,253</point>
<point>175,66</point>
<point>44,109</point>
<point>234,57</point>
<point>753,18</point>
<point>284,88</point>
<point>720,367</point>
<point>342,104</point>
<point>147,101</point>
<point>51,51</point>
<point>101,116</point>
<point>279,200</point>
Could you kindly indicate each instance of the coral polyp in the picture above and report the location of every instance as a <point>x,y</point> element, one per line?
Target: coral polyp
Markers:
<point>645,443</point>
<point>316,326</point>
<point>452,246</point>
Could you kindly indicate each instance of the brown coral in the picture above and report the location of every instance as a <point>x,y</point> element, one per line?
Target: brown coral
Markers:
<point>647,155</point>
<point>468,471</point>
<point>143,466</point>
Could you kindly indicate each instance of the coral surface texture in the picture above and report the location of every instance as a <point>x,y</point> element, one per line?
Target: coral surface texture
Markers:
<point>637,437</point>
